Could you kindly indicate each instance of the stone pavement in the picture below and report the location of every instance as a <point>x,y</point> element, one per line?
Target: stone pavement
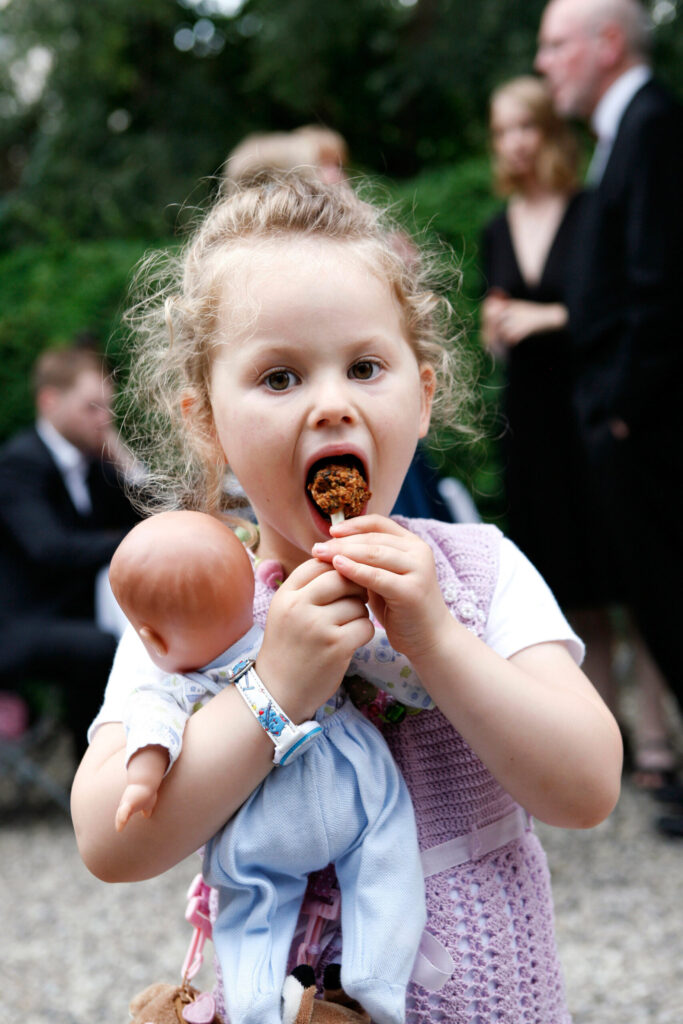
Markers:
<point>74,950</point>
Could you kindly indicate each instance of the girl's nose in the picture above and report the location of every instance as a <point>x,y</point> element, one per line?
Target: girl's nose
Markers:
<point>331,406</point>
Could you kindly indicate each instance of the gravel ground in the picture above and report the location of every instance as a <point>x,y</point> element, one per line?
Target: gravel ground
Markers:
<point>74,950</point>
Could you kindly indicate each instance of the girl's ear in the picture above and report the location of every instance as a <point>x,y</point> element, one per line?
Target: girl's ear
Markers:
<point>199,421</point>
<point>428,387</point>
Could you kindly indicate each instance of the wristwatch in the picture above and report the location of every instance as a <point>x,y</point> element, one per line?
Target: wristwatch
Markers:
<point>289,740</point>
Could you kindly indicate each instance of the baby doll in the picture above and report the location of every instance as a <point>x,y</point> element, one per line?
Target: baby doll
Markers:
<point>186,584</point>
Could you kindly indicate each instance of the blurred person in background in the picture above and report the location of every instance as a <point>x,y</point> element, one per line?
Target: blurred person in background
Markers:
<point>553,511</point>
<point>625,301</point>
<point>264,153</point>
<point>63,511</point>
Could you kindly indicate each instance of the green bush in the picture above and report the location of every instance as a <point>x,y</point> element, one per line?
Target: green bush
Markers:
<point>453,204</point>
<point>47,296</point>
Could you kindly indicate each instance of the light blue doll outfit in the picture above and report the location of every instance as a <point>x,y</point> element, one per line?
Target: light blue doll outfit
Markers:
<point>343,802</point>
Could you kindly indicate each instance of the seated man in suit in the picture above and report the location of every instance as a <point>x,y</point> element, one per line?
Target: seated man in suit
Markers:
<point>63,511</point>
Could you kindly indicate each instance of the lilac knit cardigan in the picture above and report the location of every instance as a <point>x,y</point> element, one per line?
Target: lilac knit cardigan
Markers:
<point>493,914</point>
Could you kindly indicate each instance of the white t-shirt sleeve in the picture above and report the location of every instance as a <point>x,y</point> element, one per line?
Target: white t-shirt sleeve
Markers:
<point>523,609</point>
<point>132,668</point>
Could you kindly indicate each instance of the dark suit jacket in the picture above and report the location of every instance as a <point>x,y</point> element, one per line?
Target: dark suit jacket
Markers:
<point>49,553</point>
<point>625,296</point>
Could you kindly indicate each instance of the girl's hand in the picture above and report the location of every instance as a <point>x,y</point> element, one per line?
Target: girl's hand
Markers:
<point>316,621</point>
<point>397,570</point>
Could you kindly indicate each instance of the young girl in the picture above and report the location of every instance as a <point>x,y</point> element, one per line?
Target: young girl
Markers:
<point>295,334</point>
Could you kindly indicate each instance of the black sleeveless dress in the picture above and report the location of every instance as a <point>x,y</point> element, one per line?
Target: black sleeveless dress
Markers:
<point>552,515</point>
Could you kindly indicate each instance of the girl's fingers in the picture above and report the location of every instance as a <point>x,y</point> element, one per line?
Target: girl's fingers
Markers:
<point>380,550</point>
<point>325,584</point>
<point>368,524</point>
<point>331,587</point>
<point>383,581</point>
<point>305,573</point>
<point>347,610</point>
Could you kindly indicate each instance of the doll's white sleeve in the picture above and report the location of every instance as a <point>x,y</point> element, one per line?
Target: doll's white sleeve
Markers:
<point>156,711</point>
<point>156,715</point>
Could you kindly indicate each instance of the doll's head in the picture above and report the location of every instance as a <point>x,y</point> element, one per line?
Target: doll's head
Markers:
<point>185,582</point>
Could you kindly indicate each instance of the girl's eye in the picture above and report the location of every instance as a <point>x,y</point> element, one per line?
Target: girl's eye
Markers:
<point>280,380</point>
<point>364,369</point>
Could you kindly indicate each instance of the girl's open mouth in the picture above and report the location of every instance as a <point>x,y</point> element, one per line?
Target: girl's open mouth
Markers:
<point>336,486</point>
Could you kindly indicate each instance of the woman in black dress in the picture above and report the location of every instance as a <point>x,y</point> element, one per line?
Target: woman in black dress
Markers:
<point>551,512</point>
<point>525,254</point>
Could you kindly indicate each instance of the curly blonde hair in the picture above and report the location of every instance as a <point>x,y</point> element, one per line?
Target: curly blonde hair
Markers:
<point>174,323</point>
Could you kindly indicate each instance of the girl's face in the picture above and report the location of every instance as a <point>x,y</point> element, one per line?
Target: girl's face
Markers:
<point>516,137</point>
<point>324,371</point>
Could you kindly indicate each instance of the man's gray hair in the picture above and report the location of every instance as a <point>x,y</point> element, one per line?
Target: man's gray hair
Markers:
<point>631,15</point>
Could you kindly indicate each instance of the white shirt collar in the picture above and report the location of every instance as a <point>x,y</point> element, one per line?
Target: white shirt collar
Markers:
<point>65,454</point>
<point>71,463</point>
<point>610,109</point>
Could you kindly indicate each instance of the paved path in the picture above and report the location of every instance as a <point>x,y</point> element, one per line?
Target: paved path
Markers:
<point>74,950</point>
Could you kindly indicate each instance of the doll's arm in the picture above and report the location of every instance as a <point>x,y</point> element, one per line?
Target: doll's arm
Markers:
<point>225,756</point>
<point>145,772</point>
<point>154,720</point>
<point>156,715</point>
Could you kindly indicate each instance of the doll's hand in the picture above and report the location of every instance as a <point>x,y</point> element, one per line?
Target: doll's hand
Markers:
<point>397,570</point>
<point>136,799</point>
<point>316,620</point>
<point>146,769</point>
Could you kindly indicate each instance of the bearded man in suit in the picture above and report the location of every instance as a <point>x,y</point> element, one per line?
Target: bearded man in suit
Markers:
<point>63,511</point>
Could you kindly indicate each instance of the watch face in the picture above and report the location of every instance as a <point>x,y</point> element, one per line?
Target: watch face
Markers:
<point>297,743</point>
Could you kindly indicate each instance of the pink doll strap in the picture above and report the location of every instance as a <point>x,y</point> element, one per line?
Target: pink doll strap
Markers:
<point>197,914</point>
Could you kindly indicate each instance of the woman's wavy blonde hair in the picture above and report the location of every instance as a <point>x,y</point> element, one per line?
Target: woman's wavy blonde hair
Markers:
<point>558,158</point>
<point>174,324</point>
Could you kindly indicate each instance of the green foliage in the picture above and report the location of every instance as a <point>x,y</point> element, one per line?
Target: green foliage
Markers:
<point>50,293</point>
<point>143,101</point>
<point>453,204</point>
<point>47,296</point>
